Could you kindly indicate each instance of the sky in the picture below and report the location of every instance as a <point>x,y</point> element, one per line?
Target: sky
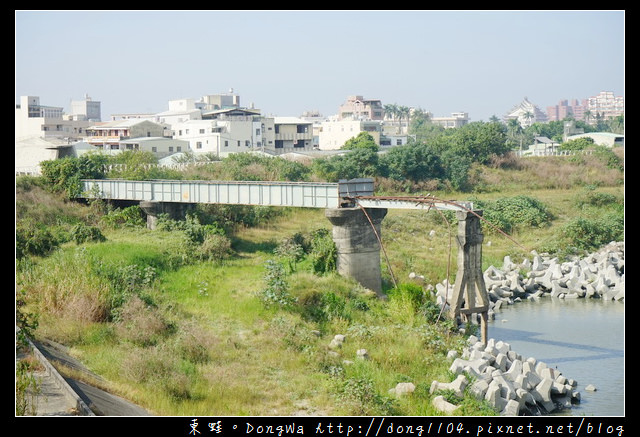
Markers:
<point>285,62</point>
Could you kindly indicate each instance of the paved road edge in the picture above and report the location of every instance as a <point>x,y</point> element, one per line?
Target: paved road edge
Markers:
<point>81,406</point>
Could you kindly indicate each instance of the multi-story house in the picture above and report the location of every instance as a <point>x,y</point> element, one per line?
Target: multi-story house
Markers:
<point>44,132</point>
<point>34,120</point>
<point>565,109</point>
<point>291,134</point>
<point>233,130</point>
<point>118,135</point>
<point>334,133</point>
<point>457,119</point>
<point>605,105</point>
<point>359,108</point>
<point>221,132</point>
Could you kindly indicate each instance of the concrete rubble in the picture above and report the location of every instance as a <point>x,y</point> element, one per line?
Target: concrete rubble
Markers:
<point>510,383</point>
<point>513,385</point>
<point>599,275</point>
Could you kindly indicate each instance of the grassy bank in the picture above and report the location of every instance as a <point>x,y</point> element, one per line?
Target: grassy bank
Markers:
<point>185,336</point>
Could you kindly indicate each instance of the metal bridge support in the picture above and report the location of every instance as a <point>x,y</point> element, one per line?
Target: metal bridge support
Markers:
<point>357,243</point>
<point>469,292</point>
<point>174,210</point>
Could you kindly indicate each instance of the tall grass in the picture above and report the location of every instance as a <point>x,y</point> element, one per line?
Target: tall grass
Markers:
<point>191,336</point>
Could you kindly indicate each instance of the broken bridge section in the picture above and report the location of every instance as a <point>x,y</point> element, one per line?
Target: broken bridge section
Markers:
<point>351,207</point>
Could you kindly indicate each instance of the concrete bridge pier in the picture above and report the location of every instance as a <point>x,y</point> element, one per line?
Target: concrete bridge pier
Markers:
<point>174,210</point>
<point>357,244</point>
<point>469,291</point>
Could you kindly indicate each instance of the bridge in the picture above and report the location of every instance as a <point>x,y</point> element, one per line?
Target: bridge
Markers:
<point>350,205</point>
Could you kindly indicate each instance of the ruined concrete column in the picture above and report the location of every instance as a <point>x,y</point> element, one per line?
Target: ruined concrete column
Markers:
<point>357,244</point>
<point>174,210</point>
<point>469,291</point>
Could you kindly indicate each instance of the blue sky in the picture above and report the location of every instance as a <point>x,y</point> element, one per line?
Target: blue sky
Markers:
<point>287,62</point>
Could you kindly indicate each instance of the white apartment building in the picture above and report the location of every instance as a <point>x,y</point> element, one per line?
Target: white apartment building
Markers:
<point>605,104</point>
<point>222,132</point>
<point>179,111</point>
<point>34,120</point>
<point>334,133</point>
<point>457,119</point>
<point>85,110</point>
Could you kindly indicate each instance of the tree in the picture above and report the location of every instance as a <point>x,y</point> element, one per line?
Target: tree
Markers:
<point>514,133</point>
<point>416,162</point>
<point>404,112</point>
<point>363,140</point>
<point>422,128</point>
<point>65,174</point>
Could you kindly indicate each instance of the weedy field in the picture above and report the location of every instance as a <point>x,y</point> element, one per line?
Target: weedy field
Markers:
<point>244,327</point>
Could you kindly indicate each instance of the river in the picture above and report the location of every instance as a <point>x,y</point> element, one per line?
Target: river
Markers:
<point>583,338</point>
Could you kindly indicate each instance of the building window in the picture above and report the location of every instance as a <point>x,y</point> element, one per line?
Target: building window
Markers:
<point>201,131</point>
<point>226,143</point>
<point>199,145</point>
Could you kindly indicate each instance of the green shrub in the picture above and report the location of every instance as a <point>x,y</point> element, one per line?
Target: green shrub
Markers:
<point>591,234</point>
<point>408,291</point>
<point>82,233</point>
<point>323,254</point>
<point>597,199</point>
<point>34,240</point>
<point>276,290</point>
<point>128,217</point>
<point>215,247</point>
<point>510,213</point>
<point>290,251</point>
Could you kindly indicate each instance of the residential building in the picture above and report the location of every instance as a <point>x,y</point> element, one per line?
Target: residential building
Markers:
<point>565,109</point>
<point>33,120</point>
<point>334,133</point>
<point>220,101</point>
<point>217,137</point>
<point>85,110</point>
<point>292,134</point>
<point>359,108</point>
<point>234,130</point>
<point>109,135</point>
<point>159,146</point>
<point>526,113</point>
<point>605,105</point>
<point>180,110</point>
<point>457,119</point>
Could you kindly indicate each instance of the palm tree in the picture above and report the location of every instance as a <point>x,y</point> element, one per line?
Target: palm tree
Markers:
<point>392,110</point>
<point>403,112</point>
<point>528,116</point>
<point>514,131</point>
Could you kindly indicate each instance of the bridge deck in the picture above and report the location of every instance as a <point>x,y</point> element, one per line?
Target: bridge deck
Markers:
<point>296,194</point>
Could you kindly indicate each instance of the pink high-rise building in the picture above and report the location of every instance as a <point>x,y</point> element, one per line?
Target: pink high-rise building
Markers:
<point>564,109</point>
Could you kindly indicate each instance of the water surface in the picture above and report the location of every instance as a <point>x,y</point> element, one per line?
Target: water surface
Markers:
<point>583,338</point>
